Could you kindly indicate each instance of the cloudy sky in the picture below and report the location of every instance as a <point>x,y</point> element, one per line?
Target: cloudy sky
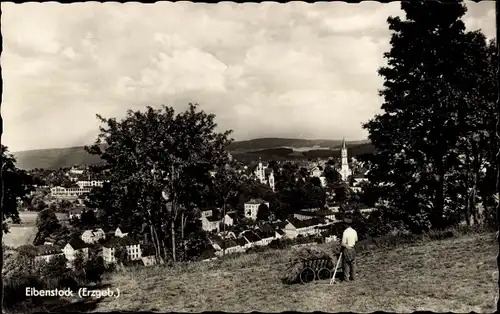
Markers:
<point>266,70</point>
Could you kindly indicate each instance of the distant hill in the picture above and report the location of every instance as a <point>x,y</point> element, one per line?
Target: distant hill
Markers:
<point>265,148</point>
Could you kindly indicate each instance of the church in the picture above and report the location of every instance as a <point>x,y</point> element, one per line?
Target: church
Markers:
<point>344,170</point>
<point>260,173</point>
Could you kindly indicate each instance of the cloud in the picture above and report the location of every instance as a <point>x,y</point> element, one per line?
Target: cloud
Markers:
<point>295,69</point>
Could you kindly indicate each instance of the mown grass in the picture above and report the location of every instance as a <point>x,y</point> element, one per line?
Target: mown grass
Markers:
<point>455,274</point>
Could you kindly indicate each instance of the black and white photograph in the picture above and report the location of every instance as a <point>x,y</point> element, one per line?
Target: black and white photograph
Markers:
<point>240,157</point>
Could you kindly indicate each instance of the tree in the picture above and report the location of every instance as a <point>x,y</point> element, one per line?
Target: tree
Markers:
<point>46,223</point>
<point>424,94</point>
<point>88,219</point>
<point>332,176</point>
<point>153,154</point>
<point>121,255</point>
<point>263,212</point>
<point>16,184</point>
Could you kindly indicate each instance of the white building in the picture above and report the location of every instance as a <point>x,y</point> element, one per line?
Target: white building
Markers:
<point>260,174</point>
<point>132,247</point>
<point>345,172</point>
<point>46,252</point>
<point>93,236</point>
<point>229,219</point>
<point>308,214</point>
<point>90,183</point>
<point>272,182</point>
<point>121,232</point>
<point>62,193</point>
<point>210,224</point>
<point>74,246</point>
<point>296,227</point>
<point>206,213</point>
<point>252,207</point>
<point>75,213</point>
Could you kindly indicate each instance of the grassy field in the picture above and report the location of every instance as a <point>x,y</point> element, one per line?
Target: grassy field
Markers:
<point>19,235</point>
<point>456,275</point>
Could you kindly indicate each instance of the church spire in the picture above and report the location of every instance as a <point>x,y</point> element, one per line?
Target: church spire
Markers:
<point>343,143</point>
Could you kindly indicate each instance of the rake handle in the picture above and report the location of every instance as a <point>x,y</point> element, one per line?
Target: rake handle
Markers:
<point>336,267</point>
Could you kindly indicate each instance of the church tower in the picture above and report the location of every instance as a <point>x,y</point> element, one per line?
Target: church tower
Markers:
<point>261,172</point>
<point>345,172</point>
<point>271,180</point>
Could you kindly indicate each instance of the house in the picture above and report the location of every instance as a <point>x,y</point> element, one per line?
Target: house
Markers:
<point>226,235</point>
<point>46,252</point>
<point>229,246</point>
<point>210,224</point>
<point>229,219</point>
<point>206,213</point>
<point>323,181</point>
<point>74,246</point>
<point>75,213</point>
<point>121,232</point>
<point>251,237</point>
<point>296,227</point>
<point>93,236</point>
<point>252,207</point>
<point>265,237</point>
<point>279,234</point>
<point>208,255</point>
<point>316,172</point>
<point>132,247</point>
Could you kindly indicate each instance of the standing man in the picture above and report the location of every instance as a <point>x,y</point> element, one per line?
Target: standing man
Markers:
<point>349,239</point>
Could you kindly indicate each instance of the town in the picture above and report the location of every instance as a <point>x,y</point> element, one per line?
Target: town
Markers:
<point>229,232</point>
<point>250,157</point>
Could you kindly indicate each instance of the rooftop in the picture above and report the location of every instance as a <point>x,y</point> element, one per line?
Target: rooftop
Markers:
<point>306,223</point>
<point>77,243</point>
<point>118,242</point>
<point>47,250</point>
<point>256,201</point>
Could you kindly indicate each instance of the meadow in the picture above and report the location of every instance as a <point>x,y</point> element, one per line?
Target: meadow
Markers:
<point>451,275</point>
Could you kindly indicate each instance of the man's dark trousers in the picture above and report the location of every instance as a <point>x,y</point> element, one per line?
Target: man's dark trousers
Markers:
<point>349,263</point>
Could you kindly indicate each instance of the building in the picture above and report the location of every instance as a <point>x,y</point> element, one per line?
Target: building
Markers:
<point>75,170</point>
<point>251,237</point>
<point>265,237</point>
<point>206,213</point>
<point>252,207</point>
<point>46,252</point>
<point>90,183</point>
<point>260,174</point>
<point>75,213</point>
<point>345,172</point>
<point>121,232</point>
<point>74,246</point>
<point>320,213</point>
<point>229,219</point>
<point>309,227</point>
<point>133,249</point>
<point>208,254</point>
<point>210,224</point>
<point>272,182</point>
<point>64,193</point>
<point>93,236</point>
<point>229,246</point>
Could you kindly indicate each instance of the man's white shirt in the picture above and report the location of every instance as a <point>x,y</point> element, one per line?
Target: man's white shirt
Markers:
<point>349,237</point>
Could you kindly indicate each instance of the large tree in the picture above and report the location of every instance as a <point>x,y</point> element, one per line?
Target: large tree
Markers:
<point>16,185</point>
<point>156,161</point>
<point>427,90</point>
